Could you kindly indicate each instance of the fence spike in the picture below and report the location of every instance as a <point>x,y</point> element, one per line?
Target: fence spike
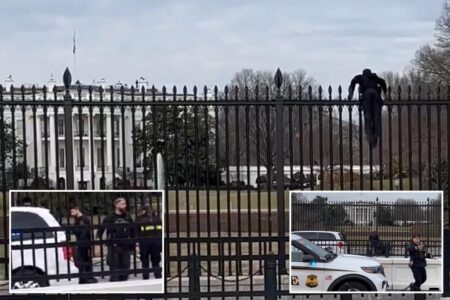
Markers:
<point>143,90</point>
<point>100,89</point>
<point>257,92</point>
<point>419,92</point>
<point>439,92</point>
<point>330,92</point>
<point>428,91</point>
<point>174,90</point>
<point>278,79</point>
<point>44,89</point>
<point>300,92</point>
<point>90,89</point>
<point>389,92</point>
<point>399,92</point>
<point>310,92</point>
<point>22,89</point>
<point>216,91</point>
<point>55,90</point>
<point>267,91</point>
<point>246,92</point>
<point>409,91</point>
<point>184,90</point>
<point>290,92</point>
<point>67,78</point>
<point>195,90</point>
<point>205,90</point>
<point>164,90</point>
<point>320,92</point>
<point>340,91</point>
<point>236,92</point>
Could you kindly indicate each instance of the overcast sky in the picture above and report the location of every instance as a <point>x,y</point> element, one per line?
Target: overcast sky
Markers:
<point>371,196</point>
<point>206,42</point>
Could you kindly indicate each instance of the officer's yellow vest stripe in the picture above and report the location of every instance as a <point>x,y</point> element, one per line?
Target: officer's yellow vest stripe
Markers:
<point>151,227</point>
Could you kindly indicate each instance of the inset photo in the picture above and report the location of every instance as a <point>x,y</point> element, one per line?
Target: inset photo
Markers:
<point>366,241</point>
<point>86,242</point>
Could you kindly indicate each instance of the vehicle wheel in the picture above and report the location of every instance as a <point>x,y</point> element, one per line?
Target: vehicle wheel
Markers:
<point>21,284</point>
<point>352,286</point>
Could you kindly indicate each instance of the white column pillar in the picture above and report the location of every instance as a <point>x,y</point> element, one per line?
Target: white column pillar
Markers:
<point>53,144</point>
<point>38,141</point>
<point>109,140</point>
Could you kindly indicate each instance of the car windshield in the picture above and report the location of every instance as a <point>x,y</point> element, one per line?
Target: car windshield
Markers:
<point>313,248</point>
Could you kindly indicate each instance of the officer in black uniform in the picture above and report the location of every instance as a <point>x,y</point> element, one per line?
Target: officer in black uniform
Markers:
<point>83,254</point>
<point>418,254</point>
<point>150,236</point>
<point>370,86</point>
<point>119,243</point>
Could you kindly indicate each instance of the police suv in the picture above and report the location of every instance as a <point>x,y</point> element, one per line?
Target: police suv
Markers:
<point>314,269</point>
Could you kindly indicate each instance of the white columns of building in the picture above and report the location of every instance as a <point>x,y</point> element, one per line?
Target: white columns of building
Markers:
<point>53,148</point>
<point>40,162</point>
<point>109,140</point>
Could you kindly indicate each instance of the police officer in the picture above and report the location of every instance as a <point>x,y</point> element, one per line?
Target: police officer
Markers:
<point>418,253</point>
<point>119,239</point>
<point>83,258</point>
<point>150,245</point>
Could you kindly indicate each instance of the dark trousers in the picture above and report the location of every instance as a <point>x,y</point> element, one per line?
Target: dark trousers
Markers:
<point>83,262</point>
<point>118,260</point>
<point>372,105</point>
<point>150,252</point>
<point>420,276</point>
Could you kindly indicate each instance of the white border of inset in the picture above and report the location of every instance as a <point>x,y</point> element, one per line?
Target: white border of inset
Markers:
<point>369,192</point>
<point>73,288</point>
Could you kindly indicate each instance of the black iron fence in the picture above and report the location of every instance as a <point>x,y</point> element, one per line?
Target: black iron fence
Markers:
<point>228,156</point>
<point>38,256</point>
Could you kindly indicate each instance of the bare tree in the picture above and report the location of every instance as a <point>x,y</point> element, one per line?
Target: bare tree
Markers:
<point>434,61</point>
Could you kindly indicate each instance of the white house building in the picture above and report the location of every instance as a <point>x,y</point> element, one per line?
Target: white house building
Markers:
<point>50,144</point>
<point>360,212</point>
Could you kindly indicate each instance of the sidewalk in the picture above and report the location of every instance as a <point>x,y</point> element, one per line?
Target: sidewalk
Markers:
<point>131,286</point>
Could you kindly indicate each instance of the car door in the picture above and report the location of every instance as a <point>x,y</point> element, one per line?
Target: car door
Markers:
<point>306,276</point>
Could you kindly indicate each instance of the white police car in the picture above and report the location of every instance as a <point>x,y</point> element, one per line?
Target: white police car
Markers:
<point>314,269</point>
<point>33,261</point>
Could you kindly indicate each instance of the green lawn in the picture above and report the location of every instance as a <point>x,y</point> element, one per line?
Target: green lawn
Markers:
<point>376,185</point>
<point>231,199</point>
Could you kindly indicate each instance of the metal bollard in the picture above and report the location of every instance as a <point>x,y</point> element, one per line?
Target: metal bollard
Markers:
<point>270,278</point>
<point>446,292</point>
<point>194,277</point>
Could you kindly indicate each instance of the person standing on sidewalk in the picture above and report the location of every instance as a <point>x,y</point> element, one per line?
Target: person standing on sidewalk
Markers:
<point>150,244</point>
<point>83,259</point>
<point>120,232</point>
<point>418,254</point>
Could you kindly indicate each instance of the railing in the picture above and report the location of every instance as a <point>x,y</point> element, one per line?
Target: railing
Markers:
<point>277,127</point>
<point>38,249</point>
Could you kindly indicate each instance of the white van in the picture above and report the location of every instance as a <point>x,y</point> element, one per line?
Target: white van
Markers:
<point>313,269</point>
<point>29,262</point>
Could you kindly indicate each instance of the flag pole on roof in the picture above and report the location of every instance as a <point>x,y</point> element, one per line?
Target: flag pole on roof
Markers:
<point>74,48</point>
